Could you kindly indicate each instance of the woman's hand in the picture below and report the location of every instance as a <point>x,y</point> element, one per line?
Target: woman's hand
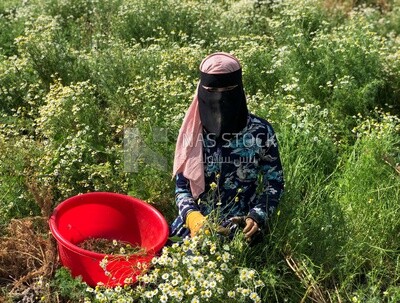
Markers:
<point>251,228</point>
<point>195,221</point>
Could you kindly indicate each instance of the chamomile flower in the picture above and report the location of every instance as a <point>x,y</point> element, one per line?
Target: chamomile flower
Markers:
<point>191,290</point>
<point>149,294</point>
<point>174,282</point>
<point>163,298</point>
<point>245,292</point>
<point>212,284</point>
<point>195,300</point>
<point>259,283</point>
<point>254,296</point>
<point>165,276</point>
<point>207,293</point>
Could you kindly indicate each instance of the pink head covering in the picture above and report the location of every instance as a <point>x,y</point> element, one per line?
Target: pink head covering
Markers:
<point>189,148</point>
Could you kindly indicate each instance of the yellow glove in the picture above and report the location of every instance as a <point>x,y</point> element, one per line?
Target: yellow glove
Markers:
<point>195,221</point>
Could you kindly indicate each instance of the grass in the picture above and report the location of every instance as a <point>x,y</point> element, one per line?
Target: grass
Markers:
<point>76,75</point>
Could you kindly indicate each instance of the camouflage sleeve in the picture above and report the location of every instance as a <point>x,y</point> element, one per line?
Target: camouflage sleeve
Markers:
<point>183,197</point>
<point>268,197</point>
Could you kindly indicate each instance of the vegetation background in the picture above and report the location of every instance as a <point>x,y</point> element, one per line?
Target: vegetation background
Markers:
<point>75,75</point>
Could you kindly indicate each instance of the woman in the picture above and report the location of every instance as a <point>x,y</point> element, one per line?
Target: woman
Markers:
<point>226,159</point>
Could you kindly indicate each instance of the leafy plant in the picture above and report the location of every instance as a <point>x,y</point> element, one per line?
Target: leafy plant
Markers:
<point>67,286</point>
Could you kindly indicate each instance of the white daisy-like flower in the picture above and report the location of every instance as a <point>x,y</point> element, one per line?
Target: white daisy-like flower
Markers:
<point>100,296</point>
<point>165,276</point>
<point>191,290</point>
<point>219,277</point>
<point>259,283</point>
<point>207,293</point>
<point>205,284</point>
<point>211,264</point>
<point>226,256</point>
<point>254,296</point>
<point>212,284</point>
<point>245,292</point>
<point>195,300</point>
<point>163,298</point>
<point>149,294</point>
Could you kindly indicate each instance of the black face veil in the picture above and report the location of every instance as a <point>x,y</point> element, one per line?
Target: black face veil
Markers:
<point>222,112</point>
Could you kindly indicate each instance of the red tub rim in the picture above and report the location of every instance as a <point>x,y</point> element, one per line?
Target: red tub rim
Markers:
<point>67,244</point>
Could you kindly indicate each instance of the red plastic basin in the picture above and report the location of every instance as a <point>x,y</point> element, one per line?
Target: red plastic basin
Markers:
<point>110,216</point>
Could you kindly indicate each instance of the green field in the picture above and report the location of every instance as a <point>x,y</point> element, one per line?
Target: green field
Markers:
<point>76,75</point>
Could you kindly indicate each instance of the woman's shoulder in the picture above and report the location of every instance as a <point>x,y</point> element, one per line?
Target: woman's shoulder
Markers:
<point>258,124</point>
